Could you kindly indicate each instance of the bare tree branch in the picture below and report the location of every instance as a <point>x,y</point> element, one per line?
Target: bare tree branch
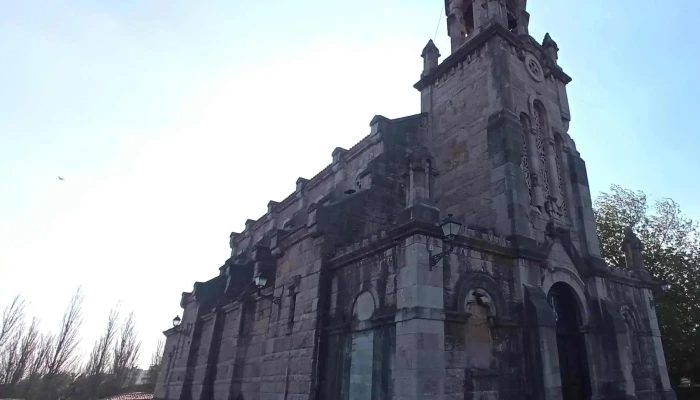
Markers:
<point>12,317</point>
<point>9,356</point>
<point>64,354</point>
<point>27,352</point>
<point>157,356</point>
<point>100,357</point>
<point>126,353</point>
<point>40,361</point>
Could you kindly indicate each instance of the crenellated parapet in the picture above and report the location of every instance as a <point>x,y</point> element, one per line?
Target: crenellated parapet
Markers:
<point>351,171</point>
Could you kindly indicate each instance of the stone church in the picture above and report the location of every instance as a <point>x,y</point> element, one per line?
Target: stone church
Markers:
<point>450,254</point>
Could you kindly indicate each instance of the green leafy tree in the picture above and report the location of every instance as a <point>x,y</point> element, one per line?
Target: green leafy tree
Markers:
<point>672,255</point>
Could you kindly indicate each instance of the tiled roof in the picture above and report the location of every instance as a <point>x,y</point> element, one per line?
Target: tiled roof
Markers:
<point>131,396</point>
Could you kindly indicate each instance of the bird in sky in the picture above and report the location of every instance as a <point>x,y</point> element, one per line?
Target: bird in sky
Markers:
<point>61,179</point>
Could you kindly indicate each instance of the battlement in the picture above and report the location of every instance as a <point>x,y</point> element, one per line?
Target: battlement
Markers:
<point>343,176</point>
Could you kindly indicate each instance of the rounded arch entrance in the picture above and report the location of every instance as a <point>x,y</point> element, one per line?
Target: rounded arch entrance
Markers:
<point>571,346</point>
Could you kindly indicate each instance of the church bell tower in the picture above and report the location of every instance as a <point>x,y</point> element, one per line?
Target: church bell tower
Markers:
<point>499,121</point>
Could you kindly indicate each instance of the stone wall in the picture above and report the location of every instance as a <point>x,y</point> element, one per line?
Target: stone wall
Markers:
<point>458,104</point>
<point>357,305</point>
<point>360,352</point>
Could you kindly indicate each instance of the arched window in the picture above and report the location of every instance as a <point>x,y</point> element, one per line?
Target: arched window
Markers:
<point>540,125</point>
<point>524,163</point>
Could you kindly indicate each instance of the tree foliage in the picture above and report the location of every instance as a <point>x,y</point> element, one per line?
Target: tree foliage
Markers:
<point>671,254</point>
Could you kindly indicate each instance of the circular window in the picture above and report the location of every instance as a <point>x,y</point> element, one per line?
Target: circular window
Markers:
<point>534,68</point>
<point>364,306</point>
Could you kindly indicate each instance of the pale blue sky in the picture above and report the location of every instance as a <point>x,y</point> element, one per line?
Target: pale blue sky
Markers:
<point>175,121</point>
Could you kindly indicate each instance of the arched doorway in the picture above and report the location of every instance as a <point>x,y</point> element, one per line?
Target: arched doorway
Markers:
<point>570,342</point>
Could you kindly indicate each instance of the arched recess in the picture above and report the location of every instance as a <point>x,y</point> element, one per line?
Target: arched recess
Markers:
<point>481,298</point>
<point>634,350</point>
<point>556,275</point>
<point>478,331</point>
<point>476,280</point>
<point>571,347</point>
<point>362,347</point>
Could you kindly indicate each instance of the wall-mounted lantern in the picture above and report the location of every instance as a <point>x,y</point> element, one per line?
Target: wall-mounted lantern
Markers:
<point>260,282</point>
<point>450,228</point>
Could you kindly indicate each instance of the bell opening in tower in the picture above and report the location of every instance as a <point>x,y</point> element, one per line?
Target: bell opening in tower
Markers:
<point>512,21</point>
<point>469,20</point>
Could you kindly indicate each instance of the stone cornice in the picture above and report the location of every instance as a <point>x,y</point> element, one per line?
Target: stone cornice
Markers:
<point>234,305</point>
<point>170,332</point>
<point>473,44</point>
<point>384,241</point>
<point>208,316</point>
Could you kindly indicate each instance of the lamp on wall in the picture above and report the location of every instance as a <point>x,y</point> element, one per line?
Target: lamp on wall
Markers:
<point>260,282</point>
<point>176,321</point>
<point>450,228</point>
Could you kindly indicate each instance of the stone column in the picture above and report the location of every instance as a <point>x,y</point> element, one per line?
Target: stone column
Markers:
<point>626,362</point>
<point>495,12</point>
<point>204,357</point>
<point>541,339</point>
<point>523,22</point>
<point>582,206</point>
<point>455,23</point>
<point>419,365</point>
<point>230,386</point>
<point>660,368</point>
<point>169,353</point>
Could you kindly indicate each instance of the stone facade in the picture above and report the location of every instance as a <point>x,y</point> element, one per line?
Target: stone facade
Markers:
<point>366,298</point>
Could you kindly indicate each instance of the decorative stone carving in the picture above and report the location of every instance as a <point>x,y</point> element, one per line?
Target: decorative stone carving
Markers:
<point>553,209</point>
<point>524,163</point>
<point>534,68</point>
<point>560,181</point>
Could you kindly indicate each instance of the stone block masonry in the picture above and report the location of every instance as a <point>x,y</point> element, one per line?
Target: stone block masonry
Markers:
<point>349,289</point>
